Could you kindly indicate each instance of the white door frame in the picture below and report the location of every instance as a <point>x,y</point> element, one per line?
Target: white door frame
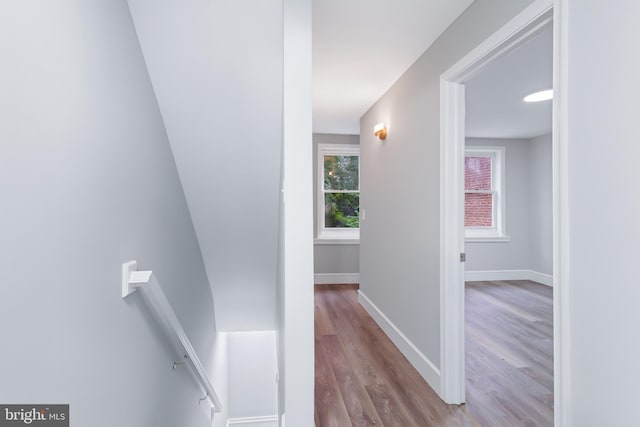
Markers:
<point>452,142</point>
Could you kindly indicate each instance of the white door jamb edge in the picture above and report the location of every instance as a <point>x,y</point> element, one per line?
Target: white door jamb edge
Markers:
<point>452,380</point>
<point>560,192</point>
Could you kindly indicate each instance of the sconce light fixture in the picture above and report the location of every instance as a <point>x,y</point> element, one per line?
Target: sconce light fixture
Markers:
<point>380,131</point>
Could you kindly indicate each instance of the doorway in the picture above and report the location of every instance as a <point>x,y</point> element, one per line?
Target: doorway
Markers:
<point>515,33</point>
<point>509,236</point>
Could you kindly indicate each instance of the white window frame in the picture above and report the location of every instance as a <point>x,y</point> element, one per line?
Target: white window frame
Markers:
<point>496,233</point>
<point>334,235</point>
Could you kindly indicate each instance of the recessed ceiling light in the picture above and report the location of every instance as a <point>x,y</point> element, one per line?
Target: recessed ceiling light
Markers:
<point>543,95</point>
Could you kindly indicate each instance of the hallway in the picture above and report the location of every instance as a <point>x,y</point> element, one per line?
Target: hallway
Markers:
<point>363,380</point>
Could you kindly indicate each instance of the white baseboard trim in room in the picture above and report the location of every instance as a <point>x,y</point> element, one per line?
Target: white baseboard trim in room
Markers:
<point>534,276</point>
<point>269,421</point>
<point>336,278</point>
<point>423,365</point>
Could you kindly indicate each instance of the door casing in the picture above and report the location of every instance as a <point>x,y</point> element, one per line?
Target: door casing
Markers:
<point>452,142</point>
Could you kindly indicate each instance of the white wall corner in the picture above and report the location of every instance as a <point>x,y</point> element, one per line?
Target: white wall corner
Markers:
<point>336,278</point>
<point>423,365</point>
<point>485,275</point>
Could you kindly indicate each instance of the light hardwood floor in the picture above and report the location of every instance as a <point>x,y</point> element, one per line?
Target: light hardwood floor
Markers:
<point>509,340</point>
<point>363,380</point>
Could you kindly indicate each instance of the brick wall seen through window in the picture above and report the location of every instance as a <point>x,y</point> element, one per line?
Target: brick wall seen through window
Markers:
<point>478,200</point>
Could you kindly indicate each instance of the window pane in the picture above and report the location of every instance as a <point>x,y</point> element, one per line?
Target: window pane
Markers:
<point>477,173</point>
<point>478,210</point>
<point>341,173</point>
<point>342,210</point>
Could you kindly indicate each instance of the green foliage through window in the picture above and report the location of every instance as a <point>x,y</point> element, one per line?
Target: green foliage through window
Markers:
<point>341,173</point>
<point>342,191</point>
<point>342,210</point>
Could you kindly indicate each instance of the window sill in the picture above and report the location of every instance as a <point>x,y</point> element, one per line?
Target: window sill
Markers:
<point>336,241</point>
<point>501,239</point>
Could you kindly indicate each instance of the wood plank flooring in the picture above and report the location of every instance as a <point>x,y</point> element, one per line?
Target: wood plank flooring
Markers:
<point>363,380</point>
<point>509,357</point>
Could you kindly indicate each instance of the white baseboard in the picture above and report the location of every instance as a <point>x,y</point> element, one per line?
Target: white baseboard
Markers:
<point>269,421</point>
<point>476,276</point>
<point>544,279</point>
<point>423,365</point>
<point>336,278</point>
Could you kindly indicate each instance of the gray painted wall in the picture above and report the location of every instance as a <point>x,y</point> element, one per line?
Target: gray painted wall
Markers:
<point>528,210</point>
<point>88,182</point>
<point>603,211</point>
<point>332,258</point>
<point>336,259</point>
<point>541,204</point>
<point>399,241</point>
<point>216,68</point>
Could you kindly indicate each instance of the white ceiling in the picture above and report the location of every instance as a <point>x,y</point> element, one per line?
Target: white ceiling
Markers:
<point>494,105</point>
<point>361,47</point>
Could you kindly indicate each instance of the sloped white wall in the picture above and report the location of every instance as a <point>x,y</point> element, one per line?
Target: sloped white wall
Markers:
<point>218,71</point>
<point>88,181</point>
<point>216,68</point>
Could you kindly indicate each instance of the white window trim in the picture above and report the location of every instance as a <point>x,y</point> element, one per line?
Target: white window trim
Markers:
<point>497,232</point>
<point>352,235</point>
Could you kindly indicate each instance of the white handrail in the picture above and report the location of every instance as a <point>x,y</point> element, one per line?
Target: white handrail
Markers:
<point>152,293</point>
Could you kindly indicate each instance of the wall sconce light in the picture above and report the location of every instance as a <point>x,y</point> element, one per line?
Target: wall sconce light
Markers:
<point>380,131</point>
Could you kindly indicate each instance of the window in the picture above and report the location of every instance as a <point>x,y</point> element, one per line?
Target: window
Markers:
<point>339,191</point>
<point>483,193</point>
